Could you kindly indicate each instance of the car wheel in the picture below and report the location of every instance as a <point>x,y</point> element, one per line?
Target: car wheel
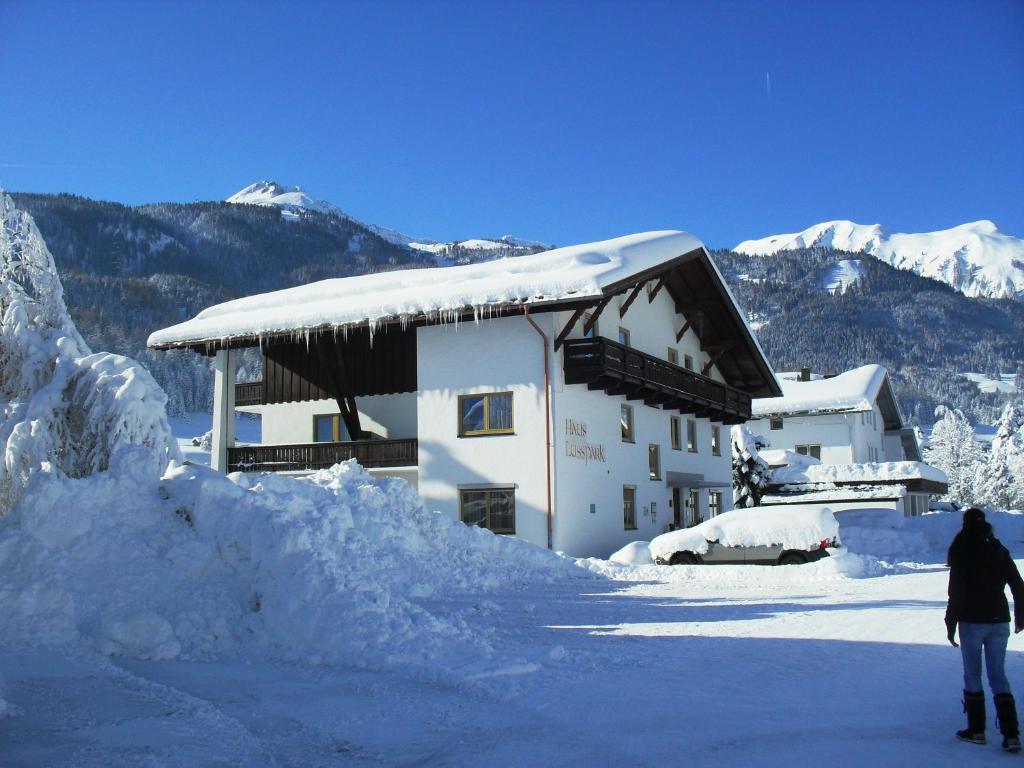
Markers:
<point>683,558</point>
<point>792,558</point>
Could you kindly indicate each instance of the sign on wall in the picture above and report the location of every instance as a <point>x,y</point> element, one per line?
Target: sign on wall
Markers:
<point>576,445</point>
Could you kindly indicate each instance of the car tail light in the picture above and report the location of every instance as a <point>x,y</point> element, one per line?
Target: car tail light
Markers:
<point>825,544</point>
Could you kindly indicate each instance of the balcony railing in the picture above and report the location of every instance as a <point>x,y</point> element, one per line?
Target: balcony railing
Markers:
<point>313,456</point>
<point>619,370</point>
<point>249,393</point>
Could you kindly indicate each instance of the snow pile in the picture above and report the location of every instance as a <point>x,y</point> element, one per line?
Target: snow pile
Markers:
<point>854,390</point>
<point>335,567</point>
<point>800,526</point>
<point>62,408</point>
<point>872,472</point>
<point>576,272</point>
<point>634,553</point>
<point>975,258</point>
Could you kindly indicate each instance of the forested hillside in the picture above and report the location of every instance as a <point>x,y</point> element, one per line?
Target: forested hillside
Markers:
<point>129,270</point>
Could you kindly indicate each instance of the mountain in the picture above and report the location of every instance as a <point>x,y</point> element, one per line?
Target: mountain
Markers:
<point>975,258</point>
<point>293,202</point>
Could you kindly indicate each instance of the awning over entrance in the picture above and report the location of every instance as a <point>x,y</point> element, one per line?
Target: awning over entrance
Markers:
<point>692,480</point>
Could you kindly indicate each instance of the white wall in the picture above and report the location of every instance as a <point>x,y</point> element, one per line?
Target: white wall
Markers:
<point>582,482</point>
<point>387,415</point>
<point>499,355</point>
<point>832,431</point>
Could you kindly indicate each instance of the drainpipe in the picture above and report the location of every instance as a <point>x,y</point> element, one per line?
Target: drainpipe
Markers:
<point>547,419</point>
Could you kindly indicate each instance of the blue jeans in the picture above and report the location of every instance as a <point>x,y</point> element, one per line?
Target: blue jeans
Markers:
<point>992,638</point>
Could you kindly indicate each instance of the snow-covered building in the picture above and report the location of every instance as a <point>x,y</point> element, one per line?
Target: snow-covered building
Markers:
<point>577,398</point>
<point>843,440</point>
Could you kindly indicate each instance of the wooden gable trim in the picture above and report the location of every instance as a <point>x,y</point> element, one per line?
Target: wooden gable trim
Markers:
<point>682,331</point>
<point>632,297</point>
<point>569,326</point>
<point>657,288</point>
<point>592,320</point>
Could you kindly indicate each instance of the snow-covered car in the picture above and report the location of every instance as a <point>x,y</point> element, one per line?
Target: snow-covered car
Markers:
<point>770,535</point>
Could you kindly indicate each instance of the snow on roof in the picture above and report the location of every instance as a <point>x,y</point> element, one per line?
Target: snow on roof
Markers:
<point>832,495</point>
<point>854,390</point>
<point>876,472</point>
<point>574,272</point>
<point>794,527</point>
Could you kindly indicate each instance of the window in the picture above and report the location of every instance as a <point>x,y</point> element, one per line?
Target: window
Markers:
<point>809,450</point>
<point>675,432</point>
<point>693,507</point>
<point>327,428</point>
<point>489,414</point>
<point>775,423</point>
<point>593,329</point>
<point>691,435</point>
<point>654,461</point>
<point>626,423</point>
<point>673,355</point>
<point>716,440</point>
<point>628,508</point>
<point>714,503</point>
<point>624,337</point>
<point>492,508</point>
<point>688,362</point>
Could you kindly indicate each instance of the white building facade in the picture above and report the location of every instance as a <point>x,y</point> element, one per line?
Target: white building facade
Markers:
<point>597,417</point>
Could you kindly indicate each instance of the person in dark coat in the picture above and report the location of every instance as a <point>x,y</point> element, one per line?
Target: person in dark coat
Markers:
<point>980,568</point>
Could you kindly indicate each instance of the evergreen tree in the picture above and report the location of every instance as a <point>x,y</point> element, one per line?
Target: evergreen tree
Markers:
<point>1000,481</point>
<point>954,449</point>
<point>750,473</point>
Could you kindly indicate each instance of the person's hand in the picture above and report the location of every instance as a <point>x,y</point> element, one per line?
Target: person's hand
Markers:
<point>951,635</point>
<point>1018,625</point>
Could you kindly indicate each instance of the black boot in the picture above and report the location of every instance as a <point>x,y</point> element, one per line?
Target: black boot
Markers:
<point>974,706</point>
<point>1006,711</point>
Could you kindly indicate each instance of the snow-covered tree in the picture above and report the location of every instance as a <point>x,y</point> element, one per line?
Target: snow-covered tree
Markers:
<point>63,409</point>
<point>750,473</point>
<point>953,449</point>
<point>1000,480</point>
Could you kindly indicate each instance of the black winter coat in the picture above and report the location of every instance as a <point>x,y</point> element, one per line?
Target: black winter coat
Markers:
<point>980,567</point>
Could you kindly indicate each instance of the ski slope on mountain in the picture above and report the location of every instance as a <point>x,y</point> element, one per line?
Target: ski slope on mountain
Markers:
<point>975,258</point>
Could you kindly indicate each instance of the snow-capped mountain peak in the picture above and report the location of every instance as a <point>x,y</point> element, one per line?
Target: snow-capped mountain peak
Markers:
<point>975,258</point>
<point>270,193</point>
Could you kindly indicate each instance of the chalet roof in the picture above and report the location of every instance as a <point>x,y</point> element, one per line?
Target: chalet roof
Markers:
<point>557,279</point>
<point>855,390</point>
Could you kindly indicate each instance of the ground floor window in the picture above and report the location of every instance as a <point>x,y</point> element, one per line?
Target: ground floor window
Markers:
<point>814,451</point>
<point>628,508</point>
<point>693,507</point>
<point>327,428</point>
<point>491,508</point>
<point>714,503</point>
<point>916,504</point>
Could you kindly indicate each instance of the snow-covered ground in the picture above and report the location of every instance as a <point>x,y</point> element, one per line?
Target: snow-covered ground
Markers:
<point>1006,384</point>
<point>843,661</point>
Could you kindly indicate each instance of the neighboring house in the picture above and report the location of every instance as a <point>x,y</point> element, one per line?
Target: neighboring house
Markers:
<point>842,439</point>
<point>578,398</point>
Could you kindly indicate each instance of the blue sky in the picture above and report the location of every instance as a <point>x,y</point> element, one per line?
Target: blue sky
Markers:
<point>563,122</point>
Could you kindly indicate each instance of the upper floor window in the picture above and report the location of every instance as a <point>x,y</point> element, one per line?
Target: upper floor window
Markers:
<point>626,423</point>
<point>486,414</point>
<point>654,461</point>
<point>691,435</point>
<point>624,336</point>
<point>675,432</point>
<point>813,451</point>
<point>492,508</point>
<point>716,440</point>
<point>673,355</point>
<point>775,423</point>
<point>688,362</point>
<point>327,428</point>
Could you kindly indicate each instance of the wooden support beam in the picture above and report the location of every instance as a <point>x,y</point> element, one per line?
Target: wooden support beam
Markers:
<point>683,330</point>
<point>569,326</point>
<point>722,349</point>
<point>341,391</point>
<point>657,287</point>
<point>632,297</point>
<point>592,320</point>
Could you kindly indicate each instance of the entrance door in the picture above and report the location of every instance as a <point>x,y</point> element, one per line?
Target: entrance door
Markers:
<point>677,509</point>
<point>693,507</point>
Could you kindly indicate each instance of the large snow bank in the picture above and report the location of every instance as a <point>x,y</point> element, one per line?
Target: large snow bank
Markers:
<point>577,272</point>
<point>794,527</point>
<point>62,408</point>
<point>334,567</point>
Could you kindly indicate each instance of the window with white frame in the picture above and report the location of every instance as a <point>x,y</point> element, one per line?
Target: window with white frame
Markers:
<point>626,423</point>
<point>629,507</point>
<point>775,422</point>
<point>675,431</point>
<point>624,336</point>
<point>813,451</point>
<point>654,461</point>
<point>688,362</point>
<point>691,435</point>
<point>673,355</point>
<point>714,503</point>
<point>716,440</point>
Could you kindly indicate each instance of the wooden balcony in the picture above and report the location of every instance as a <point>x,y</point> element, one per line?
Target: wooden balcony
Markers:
<point>313,456</point>
<point>249,393</point>
<point>618,370</point>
